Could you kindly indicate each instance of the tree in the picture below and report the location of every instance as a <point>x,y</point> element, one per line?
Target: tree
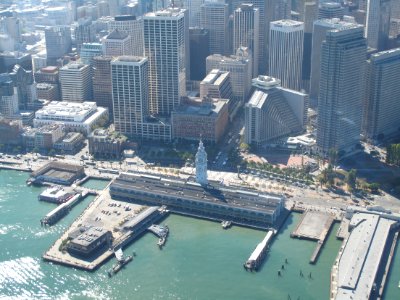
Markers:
<point>52,152</point>
<point>244,147</point>
<point>374,187</point>
<point>351,179</point>
<point>333,156</point>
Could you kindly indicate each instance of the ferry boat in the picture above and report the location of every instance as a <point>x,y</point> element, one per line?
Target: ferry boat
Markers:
<point>121,262</point>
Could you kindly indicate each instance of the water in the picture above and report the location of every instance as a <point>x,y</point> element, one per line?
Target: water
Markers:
<point>96,184</point>
<point>200,259</point>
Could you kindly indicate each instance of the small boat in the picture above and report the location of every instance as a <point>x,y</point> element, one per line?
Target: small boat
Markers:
<point>399,284</point>
<point>226,224</point>
<point>161,242</point>
<point>121,262</point>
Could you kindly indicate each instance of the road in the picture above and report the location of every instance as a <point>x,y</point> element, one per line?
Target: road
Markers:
<point>307,196</point>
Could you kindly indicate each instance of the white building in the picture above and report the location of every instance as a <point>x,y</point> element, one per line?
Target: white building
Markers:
<point>76,82</point>
<point>134,28</point>
<point>79,117</point>
<point>273,112</point>
<point>117,43</point>
<point>166,45</point>
<point>286,52</point>
<point>239,67</point>
<point>130,94</point>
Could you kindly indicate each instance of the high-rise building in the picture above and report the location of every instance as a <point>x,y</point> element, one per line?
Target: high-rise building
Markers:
<point>166,47</point>
<point>114,7</point>
<point>343,55</point>
<point>329,10</point>
<point>58,43</point>
<point>76,82</point>
<point>246,26</point>
<point>319,35</point>
<point>378,23</point>
<point>134,28</point>
<point>199,50</point>
<point>85,32</point>
<point>286,52</point>
<point>90,50</point>
<point>130,94</point>
<point>102,91</point>
<point>194,8</point>
<point>239,67</point>
<point>308,16</point>
<point>8,97</point>
<point>266,15</point>
<point>117,43</point>
<point>382,105</point>
<point>214,17</point>
<point>273,112</point>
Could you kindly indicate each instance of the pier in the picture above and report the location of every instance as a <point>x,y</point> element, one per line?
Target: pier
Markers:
<point>124,221</point>
<point>258,255</point>
<point>161,232</point>
<point>314,226</point>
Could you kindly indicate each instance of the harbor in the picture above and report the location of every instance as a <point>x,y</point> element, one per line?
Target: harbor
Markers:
<point>103,226</point>
<point>314,225</point>
<point>178,270</point>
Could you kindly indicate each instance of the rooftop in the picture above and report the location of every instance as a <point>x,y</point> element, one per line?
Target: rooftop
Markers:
<point>359,262</point>
<point>213,193</point>
<point>67,109</point>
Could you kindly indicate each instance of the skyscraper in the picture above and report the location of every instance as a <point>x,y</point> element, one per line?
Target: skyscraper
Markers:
<point>194,8</point>
<point>266,15</point>
<point>117,43</point>
<point>246,25</point>
<point>286,52</point>
<point>214,17</point>
<point>134,28</point>
<point>329,10</point>
<point>199,50</point>
<point>166,47</point>
<point>343,57</point>
<point>382,105</point>
<point>85,32</point>
<point>130,94</point>
<point>378,23</point>
<point>58,42</point>
<point>102,91</point>
<point>319,35</point>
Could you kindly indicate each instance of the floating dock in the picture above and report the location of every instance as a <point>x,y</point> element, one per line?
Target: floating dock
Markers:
<point>314,226</point>
<point>257,257</point>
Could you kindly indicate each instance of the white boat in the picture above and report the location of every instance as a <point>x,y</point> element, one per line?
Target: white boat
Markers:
<point>121,262</point>
<point>226,224</point>
<point>119,255</point>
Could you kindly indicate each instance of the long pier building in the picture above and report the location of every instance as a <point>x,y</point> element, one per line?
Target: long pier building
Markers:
<point>209,200</point>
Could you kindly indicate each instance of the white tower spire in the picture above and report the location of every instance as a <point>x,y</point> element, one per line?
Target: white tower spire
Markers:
<point>201,164</point>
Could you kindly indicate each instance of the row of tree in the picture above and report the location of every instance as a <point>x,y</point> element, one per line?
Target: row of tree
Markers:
<point>393,154</point>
